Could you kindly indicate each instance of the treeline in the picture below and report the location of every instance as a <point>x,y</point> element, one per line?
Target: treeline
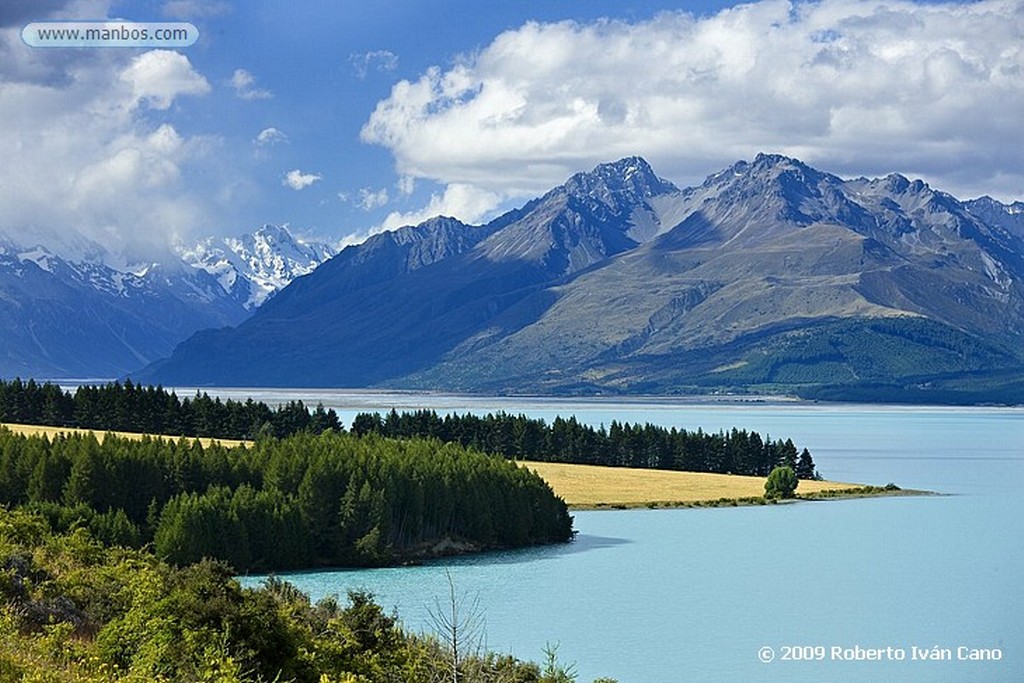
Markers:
<point>621,445</point>
<point>308,500</point>
<point>134,408</point>
<point>131,407</point>
<point>74,611</point>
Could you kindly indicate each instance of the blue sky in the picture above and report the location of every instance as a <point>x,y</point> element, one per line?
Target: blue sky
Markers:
<point>343,118</point>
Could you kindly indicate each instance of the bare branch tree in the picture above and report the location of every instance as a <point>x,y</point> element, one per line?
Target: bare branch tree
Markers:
<point>459,627</point>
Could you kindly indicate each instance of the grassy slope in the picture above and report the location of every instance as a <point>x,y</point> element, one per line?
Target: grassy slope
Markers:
<point>585,486</point>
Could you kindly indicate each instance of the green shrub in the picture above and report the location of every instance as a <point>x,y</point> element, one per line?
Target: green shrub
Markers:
<point>781,483</point>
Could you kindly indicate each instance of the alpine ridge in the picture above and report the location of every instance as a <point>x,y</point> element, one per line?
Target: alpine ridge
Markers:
<point>74,315</point>
<point>770,276</point>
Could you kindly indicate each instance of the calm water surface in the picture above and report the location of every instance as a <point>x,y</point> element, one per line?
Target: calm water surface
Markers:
<point>650,596</point>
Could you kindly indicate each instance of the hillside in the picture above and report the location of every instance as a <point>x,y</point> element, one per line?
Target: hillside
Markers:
<point>771,276</point>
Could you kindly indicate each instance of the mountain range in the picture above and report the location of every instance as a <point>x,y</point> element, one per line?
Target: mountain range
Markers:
<point>770,276</point>
<point>77,316</point>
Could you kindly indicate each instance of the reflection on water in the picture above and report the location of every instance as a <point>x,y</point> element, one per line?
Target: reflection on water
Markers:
<point>581,544</point>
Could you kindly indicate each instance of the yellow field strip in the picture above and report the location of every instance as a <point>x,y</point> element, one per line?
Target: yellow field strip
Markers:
<point>592,486</point>
<point>51,432</point>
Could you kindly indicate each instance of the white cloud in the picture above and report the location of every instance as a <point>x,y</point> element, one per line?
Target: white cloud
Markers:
<point>244,84</point>
<point>465,202</point>
<point>270,136</point>
<point>135,163</point>
<point>369,200</point>
<point>157,77</point>
<point>468,203</point>
<point>82,160</point>
<point>854,86</point>
<point>297,180</point>
<point>406,185</point>
<point>378,60</point>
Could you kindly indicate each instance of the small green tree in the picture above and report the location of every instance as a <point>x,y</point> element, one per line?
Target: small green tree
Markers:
<point>781,483</point>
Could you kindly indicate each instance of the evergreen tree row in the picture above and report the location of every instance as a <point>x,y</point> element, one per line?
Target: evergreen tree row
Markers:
<point>131,407</point>
<point>621,445</point>
<point>308,500</point>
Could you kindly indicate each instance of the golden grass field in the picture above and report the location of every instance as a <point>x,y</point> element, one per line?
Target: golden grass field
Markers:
<point>583,486</point>
<point>51,432</point>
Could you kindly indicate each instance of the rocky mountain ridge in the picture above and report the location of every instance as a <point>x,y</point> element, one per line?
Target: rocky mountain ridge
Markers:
<point>769,276</point>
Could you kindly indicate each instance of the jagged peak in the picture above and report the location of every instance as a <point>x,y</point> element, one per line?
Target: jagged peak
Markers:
<point>779,164</point>
<point>629,175</point>
<point>271,231</point>
<point>412,233</point>
<point>277,235</point>
<point>773,160</point>
<point>1013,208</point>
<point>275,238</point>
<point>767,166</point>
<point>900,184</point>
<point>621,167</point>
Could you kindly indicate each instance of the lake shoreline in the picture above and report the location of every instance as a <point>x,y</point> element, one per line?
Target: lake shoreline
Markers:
<point>597,487</point>
<point>751,501</point>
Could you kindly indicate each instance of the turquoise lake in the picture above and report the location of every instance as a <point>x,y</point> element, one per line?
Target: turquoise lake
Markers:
<point>651,596</point>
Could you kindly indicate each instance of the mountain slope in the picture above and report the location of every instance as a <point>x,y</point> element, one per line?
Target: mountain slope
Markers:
<point>79,317</point>
<point>758,285</point>
<point>771,275</point>
<point>86,319</point>
<point>399,302</point>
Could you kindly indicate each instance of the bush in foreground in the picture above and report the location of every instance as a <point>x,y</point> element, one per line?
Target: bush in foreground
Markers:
<point>72,610</point>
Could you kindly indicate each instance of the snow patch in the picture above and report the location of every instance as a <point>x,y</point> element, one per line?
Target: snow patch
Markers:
<point>40,256</point>
<point>267,259</point>
<point>994,271</point>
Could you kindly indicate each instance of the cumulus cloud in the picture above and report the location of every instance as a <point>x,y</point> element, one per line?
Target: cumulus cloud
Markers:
<point>157,77</point>
<point>465,202</point>
<point>854,86</point>
<point>369,200</point>
<point>270,136</point>
<point>297,180</point>
<point>468,203</point>
<point>244,84</point>
<point>83,162</point>
<point>377,60</point>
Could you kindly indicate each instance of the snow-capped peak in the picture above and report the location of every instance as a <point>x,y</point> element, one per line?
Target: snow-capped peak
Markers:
<point>256,265</point>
